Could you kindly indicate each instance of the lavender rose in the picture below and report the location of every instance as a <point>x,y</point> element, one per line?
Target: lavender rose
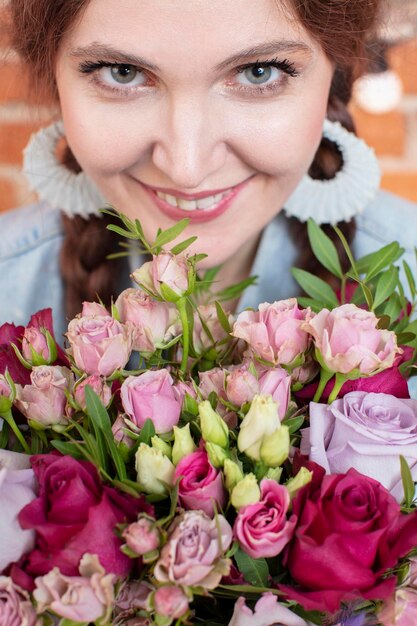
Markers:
<point>367,431</point>
<point>15,607</point>
<point>267,611</point>
<point>193,556</point>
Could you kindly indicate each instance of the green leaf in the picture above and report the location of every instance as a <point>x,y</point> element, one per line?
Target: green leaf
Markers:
<point>180,247</point>
<point>386,285</point>
<point>410,279</point>
<point>294,423</point>
<point>393,307</point>
<point>405,338</point>
<point>348,251</point>
<point>255,571</point>
<point>314,305</point>
<point>234,291</point>
<point>373,263</point>
<point>70,622</point>
<point>170,234</point>
<point>324,248</point>
<point>408,482</point>
<point>122,231</point>
<point>67,448</point>
<point>315,287</point>
<point>368,295</point>
<point>222,317</point>
<point>147,432</point>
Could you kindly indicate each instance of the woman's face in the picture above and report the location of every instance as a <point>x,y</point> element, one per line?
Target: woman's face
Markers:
<point>204,109</point>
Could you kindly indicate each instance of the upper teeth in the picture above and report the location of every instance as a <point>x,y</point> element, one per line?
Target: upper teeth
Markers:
<point>191,205</point>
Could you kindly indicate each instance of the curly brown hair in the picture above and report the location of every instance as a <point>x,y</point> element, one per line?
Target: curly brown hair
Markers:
<point>342,27</point>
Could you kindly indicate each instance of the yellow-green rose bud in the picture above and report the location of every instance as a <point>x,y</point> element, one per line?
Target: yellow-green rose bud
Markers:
<point>183,444</point>
<point>276,447</point>
<point>213,428</point>
<point>274,473</point>
<point>259,423</point>
<point>245,492</point>
<point>302,479</point>
<point>232,474</point>
<point>155,470</point>
<point>161,445</point>
<point>216,454</point>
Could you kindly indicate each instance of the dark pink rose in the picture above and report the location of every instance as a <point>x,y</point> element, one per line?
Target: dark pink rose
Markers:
<point>99,345</point>
<point>9,333</point>
<point>350,531</point>
<point>263,529</point>
<point>275,332</point>
<point>201,485</point>
<point>367,431</point>
<point>151,395</point>
<point>76,513</point>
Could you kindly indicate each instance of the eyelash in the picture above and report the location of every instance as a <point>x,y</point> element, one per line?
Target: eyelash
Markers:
<point>288,68</point>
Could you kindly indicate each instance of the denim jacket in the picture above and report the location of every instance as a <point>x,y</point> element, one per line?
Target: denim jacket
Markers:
<point>31,239</point>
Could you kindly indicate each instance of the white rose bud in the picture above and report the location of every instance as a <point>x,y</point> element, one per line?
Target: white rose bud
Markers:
<point>275,448</point>
<point>260,422</point>
<point>232,474</point>
<point>302,478</point>
<point>216,454</point>
<point>213,428</point>
<point>155,470</point>
<point>246,492</point>
<point>183,444</point>
<point>163,446</point>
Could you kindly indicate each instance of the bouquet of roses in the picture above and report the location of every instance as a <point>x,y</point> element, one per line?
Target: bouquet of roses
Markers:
<point>179,465</point>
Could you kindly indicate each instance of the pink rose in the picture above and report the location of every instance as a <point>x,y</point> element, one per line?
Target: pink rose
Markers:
<point>275,332</point>
<point>152,321</point>
<point>267,611</point>
<point>142,536</point>
<point>193,555</point>
<point>347,339</point>
<point>15,606</point>
<point>151,396</point>
<point>45,401</point>
<point>213,380</point>
<point>170,602</point>
<point>95,309</point>
<point>9,333</point>
<point>205,317</point>
<point>83,599</point>
<point>241,384</point>
<point>263,529</point>
<point>201,485</point>
<point>121,430</point>
<point>367,431</point>
<point>99,345</point>
<point>98,385</point>
<point>132,595</point>
<point>39,338</point>
<point>75,513</point>
<point>400,609</point>
<point>167,275</point>
<point>17,488</point>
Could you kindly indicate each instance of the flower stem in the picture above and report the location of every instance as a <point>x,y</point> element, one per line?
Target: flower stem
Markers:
<point>325,376</point>
<point>338,384</point>
<point>8,417</point>
<point>181,305</point>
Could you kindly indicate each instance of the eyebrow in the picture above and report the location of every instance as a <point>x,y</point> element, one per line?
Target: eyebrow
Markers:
<point>106,52</point>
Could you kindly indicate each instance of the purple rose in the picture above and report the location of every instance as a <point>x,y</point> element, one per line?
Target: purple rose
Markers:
<point>367,431</point>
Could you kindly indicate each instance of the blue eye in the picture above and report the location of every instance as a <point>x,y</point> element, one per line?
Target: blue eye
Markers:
<point>123,74</point>
<point>259,74</point>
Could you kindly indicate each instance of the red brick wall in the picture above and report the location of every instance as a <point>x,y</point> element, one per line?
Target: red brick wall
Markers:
<point>393,135</point>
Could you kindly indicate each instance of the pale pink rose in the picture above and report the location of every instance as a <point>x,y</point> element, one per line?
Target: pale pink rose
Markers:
<point>267,611</point>
<point>34,341</point>
<point>99,344</point>
<point>120,430</point>
<point>241,384</point>
<point>348,340</point>
<point>83,598</point>
<point>142,536</point>
<point>181,388</point>
<point>15,606</point>
<point>98,385</point>
<point>367,431</point>
<point>411,580</point>
<point>45,401</point>
<point>170,601</point>
<point>276,382</point>
<point>194,553</point>
<point>263,529</point>
<point>17,488</point>
<point>94,309</point>
<point>201,485</point>
<point>172,271</point>
<point>133,596</point>
<point>275,332</point>
<point>151,396</point>
<point>401,609</point>
<point>152,321</point>
<point>206,317</point>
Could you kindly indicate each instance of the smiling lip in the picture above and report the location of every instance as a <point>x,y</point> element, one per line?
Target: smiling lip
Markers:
<point>196,207</point>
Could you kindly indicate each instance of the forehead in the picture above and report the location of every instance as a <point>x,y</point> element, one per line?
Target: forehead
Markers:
<point>186,30</point>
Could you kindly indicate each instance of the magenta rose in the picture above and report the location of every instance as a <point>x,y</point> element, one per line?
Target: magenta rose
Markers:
<point>350,531</point>
<point>9,333</point>
<point>201,485</point>
<point>347,340</point>
<point>76,513</point>
<point>151,395</point>
<point>99,345</point>
<point>367,431</point>
<point>152,321</point>
<point>194,553</point>
<point>263,529</point>
<point>275,332</point>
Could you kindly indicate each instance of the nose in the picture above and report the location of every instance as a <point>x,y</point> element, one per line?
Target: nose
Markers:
<point>190,147</point>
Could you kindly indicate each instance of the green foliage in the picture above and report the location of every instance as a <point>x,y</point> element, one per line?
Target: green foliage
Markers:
<point>255,571</point>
